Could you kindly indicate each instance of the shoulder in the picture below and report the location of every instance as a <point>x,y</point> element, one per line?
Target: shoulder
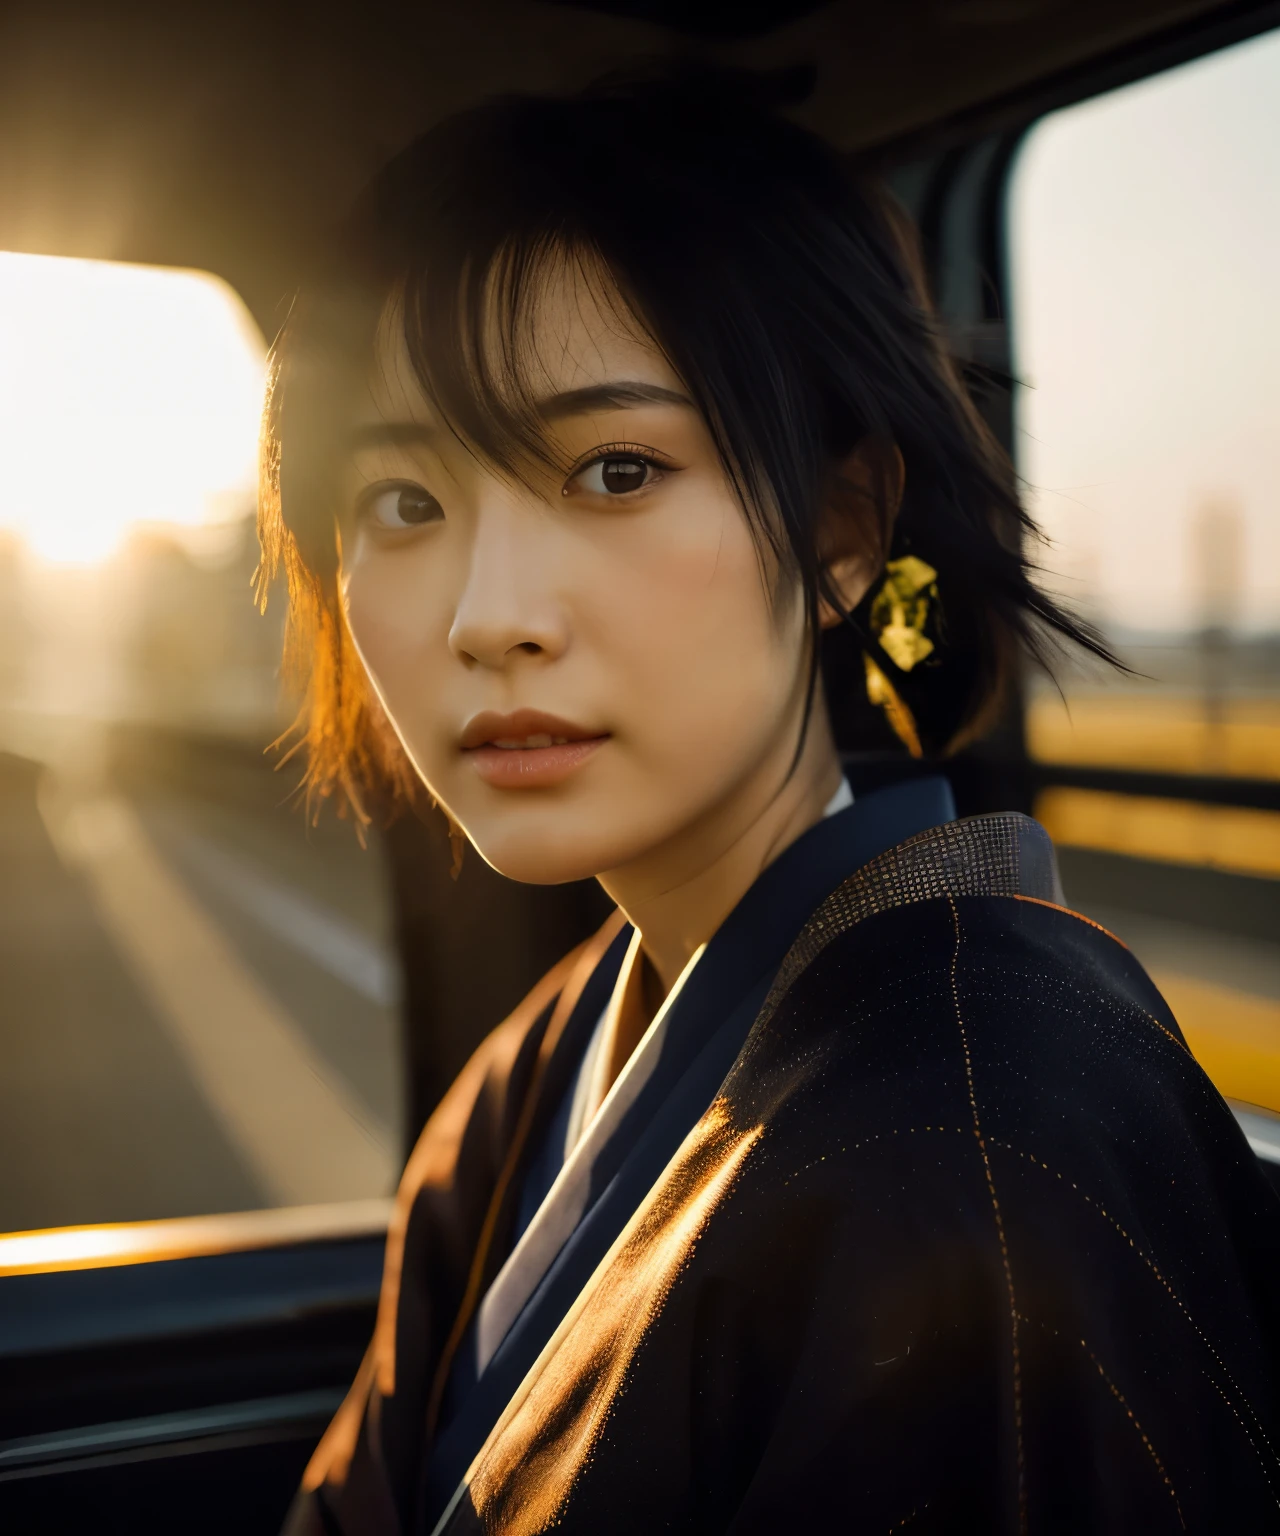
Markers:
<point>971,1064</point>
<point>997,969</point>
<point>993,1015</point>
<point>993,1080</point>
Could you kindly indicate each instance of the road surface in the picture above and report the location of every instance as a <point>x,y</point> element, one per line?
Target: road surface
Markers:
<point>198,996</point>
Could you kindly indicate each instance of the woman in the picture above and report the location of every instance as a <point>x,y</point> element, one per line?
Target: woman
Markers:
<point>844,1176</point>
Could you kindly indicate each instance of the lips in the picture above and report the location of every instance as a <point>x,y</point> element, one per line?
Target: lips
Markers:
<point>527,749</point>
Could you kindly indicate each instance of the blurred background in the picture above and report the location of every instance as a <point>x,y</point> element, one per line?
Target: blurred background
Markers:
<point>1143,250</point>
<point>200,992</point>
<point>203,990</point>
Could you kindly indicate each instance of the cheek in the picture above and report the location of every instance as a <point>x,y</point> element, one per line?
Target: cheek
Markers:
<point>395,616</point>
<point>707,661</point>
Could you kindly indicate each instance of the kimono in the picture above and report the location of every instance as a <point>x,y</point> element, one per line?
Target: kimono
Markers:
<point>911,1212</point>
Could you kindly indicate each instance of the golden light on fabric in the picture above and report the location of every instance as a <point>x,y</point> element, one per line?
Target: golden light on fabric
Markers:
<point>525,1474</point>
<point>600,1421</point>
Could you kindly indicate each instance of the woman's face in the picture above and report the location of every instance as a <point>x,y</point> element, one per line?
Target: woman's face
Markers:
<point>587,666</point>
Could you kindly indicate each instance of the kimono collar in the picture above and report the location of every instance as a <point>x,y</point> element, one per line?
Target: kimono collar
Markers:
<point>746,950</point>
<point>590,1092</point>
<point>892,848</point>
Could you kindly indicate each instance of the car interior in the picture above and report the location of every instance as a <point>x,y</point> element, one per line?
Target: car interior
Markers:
<point>185,1293</point>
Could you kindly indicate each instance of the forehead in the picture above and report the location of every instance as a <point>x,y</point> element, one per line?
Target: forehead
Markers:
<point>573,330</point>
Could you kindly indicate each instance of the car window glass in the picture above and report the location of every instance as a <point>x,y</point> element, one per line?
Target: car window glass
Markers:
<point>199,992</point>
<point>1143,244</point>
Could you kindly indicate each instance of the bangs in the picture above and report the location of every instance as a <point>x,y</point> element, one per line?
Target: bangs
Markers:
<point>783,290</point>
<point>481,336</point>
<point>470,231</point>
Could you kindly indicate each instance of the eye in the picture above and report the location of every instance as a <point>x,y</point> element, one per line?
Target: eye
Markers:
<point>400,506</point>
<point>616,474</point>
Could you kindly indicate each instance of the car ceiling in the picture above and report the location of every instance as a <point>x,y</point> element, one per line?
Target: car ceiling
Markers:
<point>226,136</point>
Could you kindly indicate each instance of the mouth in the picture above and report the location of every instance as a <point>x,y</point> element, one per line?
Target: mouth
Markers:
<point>527,749</point>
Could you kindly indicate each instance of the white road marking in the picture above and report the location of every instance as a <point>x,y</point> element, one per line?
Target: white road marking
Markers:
<point>293,1121</point>
<point>329,942</point>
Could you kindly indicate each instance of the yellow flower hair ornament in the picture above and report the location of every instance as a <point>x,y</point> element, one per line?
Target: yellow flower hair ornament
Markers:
<point>898,618</point>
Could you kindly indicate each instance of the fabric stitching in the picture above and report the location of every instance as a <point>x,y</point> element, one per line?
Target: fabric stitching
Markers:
<point>910,1130</point>
<point>977,856</point>
<point>1244,1428</point>
<point>1165,1030</point>
<point>999,1219</point>
<point>1142,1434</point>
<point>1056,906</point>
<point>1081,918</point>
<point>1171,1293</point>
<point>1120,1398</point>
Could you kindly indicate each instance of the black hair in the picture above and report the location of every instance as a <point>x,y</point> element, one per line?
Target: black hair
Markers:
<point>785,291</point>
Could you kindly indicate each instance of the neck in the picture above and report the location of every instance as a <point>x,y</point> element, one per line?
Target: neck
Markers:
<point>678,894</point>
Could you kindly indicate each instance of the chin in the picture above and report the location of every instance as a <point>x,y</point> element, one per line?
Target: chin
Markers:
<point>540,849</point>
<point>539,860</point>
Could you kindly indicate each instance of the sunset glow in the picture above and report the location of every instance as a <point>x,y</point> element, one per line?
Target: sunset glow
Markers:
<point>128,395</point>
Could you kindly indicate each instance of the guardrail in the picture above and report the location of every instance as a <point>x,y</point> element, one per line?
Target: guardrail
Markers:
<point>1206,789</point>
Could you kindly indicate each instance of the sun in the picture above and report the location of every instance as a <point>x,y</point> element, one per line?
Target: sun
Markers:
<point>128,395</point>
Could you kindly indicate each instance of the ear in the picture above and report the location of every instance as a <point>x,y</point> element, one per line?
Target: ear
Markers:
<point>855,522</point>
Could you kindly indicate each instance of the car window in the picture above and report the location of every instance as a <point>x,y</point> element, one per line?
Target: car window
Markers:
<point>1143,246</point>
<point>199,990</point>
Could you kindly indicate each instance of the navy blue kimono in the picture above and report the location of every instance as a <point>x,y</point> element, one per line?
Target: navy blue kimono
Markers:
<point>919,1216</point>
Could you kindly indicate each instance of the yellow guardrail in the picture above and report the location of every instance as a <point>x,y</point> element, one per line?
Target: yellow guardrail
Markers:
<point>1166,731</point>
<point>1234,1034</point>
<point>1227,837</point>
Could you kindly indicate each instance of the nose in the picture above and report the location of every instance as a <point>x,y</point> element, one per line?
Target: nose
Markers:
<point>508,608</point>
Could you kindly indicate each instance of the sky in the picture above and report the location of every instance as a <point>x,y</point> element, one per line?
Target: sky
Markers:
<point>1144,245</point>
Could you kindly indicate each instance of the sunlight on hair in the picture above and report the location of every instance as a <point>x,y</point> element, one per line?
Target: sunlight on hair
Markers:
<point>129,395</point>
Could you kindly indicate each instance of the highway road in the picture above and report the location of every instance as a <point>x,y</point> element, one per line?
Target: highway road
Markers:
<point>199,998</point>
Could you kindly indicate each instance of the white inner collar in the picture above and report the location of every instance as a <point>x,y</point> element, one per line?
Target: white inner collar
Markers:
<point>566,1201</point>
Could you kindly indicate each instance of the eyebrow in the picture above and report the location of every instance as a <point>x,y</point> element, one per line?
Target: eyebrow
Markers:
<point>394,434</point>
<point>616,394</point>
